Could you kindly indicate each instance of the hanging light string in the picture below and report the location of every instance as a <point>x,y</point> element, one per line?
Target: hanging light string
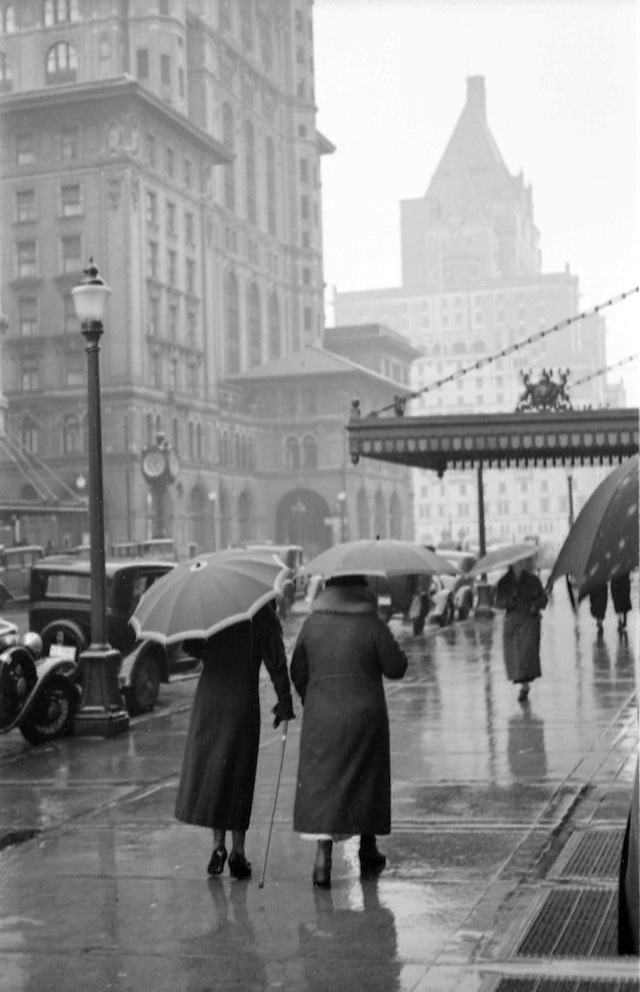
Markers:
<point>607,368</point>
<point>399,402</point>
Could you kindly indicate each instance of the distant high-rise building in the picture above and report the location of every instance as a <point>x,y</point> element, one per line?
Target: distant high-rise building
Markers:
<point>473,285</point>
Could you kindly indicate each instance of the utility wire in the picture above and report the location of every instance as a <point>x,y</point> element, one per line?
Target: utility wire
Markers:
<point>399,402</point>
<point>607,368</point>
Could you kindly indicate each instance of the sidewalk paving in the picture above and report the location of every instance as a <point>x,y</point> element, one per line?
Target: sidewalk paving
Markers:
<point>491,800</point>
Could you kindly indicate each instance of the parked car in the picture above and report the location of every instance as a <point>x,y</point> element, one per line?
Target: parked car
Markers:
<point>442,610</point>
<point>15,570</point>
<point>407,595</point>
<point>60,611</point>
<point>462,587</point>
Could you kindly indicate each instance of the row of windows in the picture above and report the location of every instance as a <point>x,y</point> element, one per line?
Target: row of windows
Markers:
<point>68,145</point>
<point>301,455</point>
<point>70,257</point>
<point>61,64</point>
<point>253,324</point>
<point>500,507</point>
<point>170,320</point>
<point>53,12</point>
<point>69,203</point>
<point>183,377</point>
<point>143,69</point>
<point>171,268</point>
<point>171,215</point>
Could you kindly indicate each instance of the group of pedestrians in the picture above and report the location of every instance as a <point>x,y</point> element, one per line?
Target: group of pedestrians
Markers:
<point>621,598</point>
<point>344,772</point>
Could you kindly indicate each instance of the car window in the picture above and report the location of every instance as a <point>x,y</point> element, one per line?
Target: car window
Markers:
<point>68,585</point>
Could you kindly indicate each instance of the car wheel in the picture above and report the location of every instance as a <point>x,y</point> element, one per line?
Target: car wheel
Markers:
<point>418,626</point>
<point>66,632</point>
<point>142,694</point>
<point>463,612</point>
<point>52,716</point>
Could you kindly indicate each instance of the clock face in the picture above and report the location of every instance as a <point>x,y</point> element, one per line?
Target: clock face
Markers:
<point>153,464</point>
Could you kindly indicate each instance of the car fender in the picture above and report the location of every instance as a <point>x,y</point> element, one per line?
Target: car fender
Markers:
<point>45,669</point>
<point>131,660</point>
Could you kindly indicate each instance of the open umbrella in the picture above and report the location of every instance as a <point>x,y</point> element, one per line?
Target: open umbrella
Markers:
<point>375,557</point>
<point>603,541</point>
<point>206,594</point>
<point>502,557</point>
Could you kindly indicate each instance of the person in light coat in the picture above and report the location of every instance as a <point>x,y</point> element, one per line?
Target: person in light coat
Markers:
<point>344,773</point>
<point>520,593</point>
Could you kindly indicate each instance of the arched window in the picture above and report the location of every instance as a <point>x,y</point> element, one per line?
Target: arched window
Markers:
<point>229,174</point>
<point>71,435</point>
<point>199,443</point>
<point>224,448</point>
<point>232,320</point>
<point>5,70</point>
<point>250,166</point>
<point>8,19</point>
<point>272,209</point>
<point>238,451</point>
<point>30,436</point>
<point>60,11</point>
<point>292,453</point>
<point>253,320</point>
<point>362,510</point>
<point>309,452</point>
<point>192,442</point>
<point>175,435</point>
<point>380,522</point>
<point>274,327</point>
<point>159,426</point>
<point>61,63</point>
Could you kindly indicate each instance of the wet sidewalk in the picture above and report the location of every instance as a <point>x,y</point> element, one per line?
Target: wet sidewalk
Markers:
<point>507,825</point>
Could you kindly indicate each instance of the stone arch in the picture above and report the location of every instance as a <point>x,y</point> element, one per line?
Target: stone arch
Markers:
<point>301,519</point>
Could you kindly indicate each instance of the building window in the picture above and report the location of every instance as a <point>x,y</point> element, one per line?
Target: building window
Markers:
<point>152,260</point>
<point>25,148</point>
<point>189,229</point>
<point>72,254</point>
<point>30,435</point>
<point>307,321</point>
<point>173,322</point>
<point>165,69</point>
<point>142,63</point>
<point>171,162</point>
<point>232,313</point>
<point>8,19</point>
<point>188,173</point>
<point>173,373</point>
<point>156,369</point>
<point>25,205</point>
<point>71,200</point>
<point>29,375</point>
<point>154,315</point>
<point>171,217</point>
<point>75,371</point>
<point>253,315</point>
<point>191,276</point>
<point>151,150</point>
<point>26,256</point>
<point>172,268</point>
<point>71,435</point>
<point>292,454</point>
<point>229,174</point>
<point>309,453</point>
<point>28,317</point>
<point>152,208</point>
<point>5,72</point>
<point>304,207</point>
<point>274,327</point>
<point>250,164</point>
<point>60,11</point>
<point>70,143</point>
<point>272,207</point>
<point>70,317</point>
<point>61,63</point>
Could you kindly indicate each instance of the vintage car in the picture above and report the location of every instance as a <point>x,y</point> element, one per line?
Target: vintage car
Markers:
<point>462,586</point>
<point>60,611</point>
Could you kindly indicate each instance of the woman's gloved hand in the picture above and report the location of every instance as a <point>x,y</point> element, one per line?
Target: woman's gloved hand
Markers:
<point>283,710</point>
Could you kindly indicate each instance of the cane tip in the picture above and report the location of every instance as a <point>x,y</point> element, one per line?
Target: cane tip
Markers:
<point>261,885</point>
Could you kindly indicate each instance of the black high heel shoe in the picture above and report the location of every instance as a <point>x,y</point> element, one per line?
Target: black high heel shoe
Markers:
<point>218,858</point>
<point>322,875</point>
<point>239,867</point>
<point>372,861</point>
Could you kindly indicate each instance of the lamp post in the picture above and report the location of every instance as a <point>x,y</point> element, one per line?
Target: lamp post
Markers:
<point>101,713</point>
<point>213,498</point>
<point>342,505</point>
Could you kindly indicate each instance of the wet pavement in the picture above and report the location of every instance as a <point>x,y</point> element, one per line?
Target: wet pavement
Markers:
<point>110,893</point>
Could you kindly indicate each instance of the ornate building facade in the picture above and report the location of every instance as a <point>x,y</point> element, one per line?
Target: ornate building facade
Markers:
<point>473,286</point>
<point>175,142</point>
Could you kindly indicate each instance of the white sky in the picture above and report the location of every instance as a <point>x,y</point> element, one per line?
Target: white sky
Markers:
<point>562,104</point>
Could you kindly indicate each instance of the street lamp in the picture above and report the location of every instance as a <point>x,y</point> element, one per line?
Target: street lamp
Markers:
<point>213,498</point>
<point>342,504</point>
<point>101,713</point>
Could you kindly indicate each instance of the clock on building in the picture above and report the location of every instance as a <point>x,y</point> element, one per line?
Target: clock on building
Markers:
<point>153,464</point>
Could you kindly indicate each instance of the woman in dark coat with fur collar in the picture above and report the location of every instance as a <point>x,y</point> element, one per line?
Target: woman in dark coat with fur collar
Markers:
<point>344,776</point>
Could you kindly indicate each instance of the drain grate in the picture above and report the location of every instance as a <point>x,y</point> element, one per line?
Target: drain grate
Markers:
<point>573,923</point>
<point>594,854</point>
<point>566,985</point>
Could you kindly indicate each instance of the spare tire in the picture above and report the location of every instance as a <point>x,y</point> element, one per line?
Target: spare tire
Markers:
<point>66,632</point>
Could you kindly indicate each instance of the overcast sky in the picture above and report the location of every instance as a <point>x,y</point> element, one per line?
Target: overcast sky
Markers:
<point>561,84</point>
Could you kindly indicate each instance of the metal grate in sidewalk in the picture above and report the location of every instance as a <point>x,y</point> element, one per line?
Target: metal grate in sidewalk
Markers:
<point>565,985</point>
<point>575,923</point>
<point>594,854</point>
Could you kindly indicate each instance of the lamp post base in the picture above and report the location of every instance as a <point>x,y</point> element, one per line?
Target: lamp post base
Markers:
<point>483,606</point>
<point>101,713</point>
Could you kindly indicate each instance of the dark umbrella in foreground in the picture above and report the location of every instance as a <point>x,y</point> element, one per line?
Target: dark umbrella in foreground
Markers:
<point>603,542</point>
<point>379,557</point>
<point>201,596</point>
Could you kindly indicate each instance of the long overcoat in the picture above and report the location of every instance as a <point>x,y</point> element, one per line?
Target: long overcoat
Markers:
<point>621,593</point>
<point>341,655</point>
<point>221,753</point>
<point>522,598</point>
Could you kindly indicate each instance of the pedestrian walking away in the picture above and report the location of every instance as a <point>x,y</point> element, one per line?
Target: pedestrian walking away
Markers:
<point>598,599</point>
<point>221,754</point>
<point>520,593</point>
<point>344,773</point>
<point>621,598</point>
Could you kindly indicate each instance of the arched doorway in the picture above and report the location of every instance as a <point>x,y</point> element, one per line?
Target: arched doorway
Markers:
<point>301,519</point>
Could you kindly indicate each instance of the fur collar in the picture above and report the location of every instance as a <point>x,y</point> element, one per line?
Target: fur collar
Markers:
<point>345,599</point>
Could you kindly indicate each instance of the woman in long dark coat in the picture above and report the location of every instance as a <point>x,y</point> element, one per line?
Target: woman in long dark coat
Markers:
<point>344,774</point>
<point>221,754</point>
<point>520,593</point>
<point>621,596</point>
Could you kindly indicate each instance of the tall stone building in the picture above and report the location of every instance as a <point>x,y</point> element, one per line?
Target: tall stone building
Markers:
<point>175,142</point>
<point>473,285</point>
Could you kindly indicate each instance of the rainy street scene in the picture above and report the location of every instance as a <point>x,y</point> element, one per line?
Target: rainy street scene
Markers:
<point>319,537</point>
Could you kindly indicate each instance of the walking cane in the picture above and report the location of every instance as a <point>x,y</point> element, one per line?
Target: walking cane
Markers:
<point>275,800</point>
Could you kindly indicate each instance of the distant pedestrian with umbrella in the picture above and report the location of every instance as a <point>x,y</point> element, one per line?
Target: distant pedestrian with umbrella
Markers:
<point>521,595</point>
<point>621,596</point>
<point>344,777</point>
<point>221,754</point>
<point>598,599</point>
<point>222,607</point>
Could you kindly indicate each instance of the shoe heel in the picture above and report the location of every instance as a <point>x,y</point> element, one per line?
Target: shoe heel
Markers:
<point>239,867</point>
<point>217,862</point>
<point>322,877</point>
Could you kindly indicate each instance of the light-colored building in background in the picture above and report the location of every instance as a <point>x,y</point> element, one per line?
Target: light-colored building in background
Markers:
<point>473,285</point>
